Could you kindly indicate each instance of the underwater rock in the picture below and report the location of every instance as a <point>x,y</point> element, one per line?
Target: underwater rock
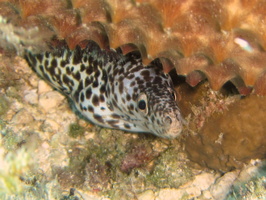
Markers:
<point>22,117</point>
<point>201,39</point>
<point>50,100</point>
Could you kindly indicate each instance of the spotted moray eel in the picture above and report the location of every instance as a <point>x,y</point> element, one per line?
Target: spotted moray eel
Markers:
<point>111,89</point>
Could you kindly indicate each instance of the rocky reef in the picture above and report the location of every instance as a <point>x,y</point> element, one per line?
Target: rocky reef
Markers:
<point>215,53</point>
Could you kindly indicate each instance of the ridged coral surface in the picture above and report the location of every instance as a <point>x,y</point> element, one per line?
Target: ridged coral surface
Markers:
<point>220,40</point>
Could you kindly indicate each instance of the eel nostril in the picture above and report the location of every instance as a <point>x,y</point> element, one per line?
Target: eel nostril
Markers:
<point>168,120</point>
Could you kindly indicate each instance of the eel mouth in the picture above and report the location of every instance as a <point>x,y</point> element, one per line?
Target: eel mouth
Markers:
<point>173,126</point>
<point>173,131</point>
<point>169,131</point>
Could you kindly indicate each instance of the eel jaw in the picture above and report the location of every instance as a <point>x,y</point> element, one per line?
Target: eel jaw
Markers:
<point>173,128</point>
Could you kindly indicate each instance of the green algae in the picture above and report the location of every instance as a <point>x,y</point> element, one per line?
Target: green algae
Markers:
<point>2,126</point>
<point>4,105</point>
<point>75,130</point>
<point>97,165</point>
<point>170,171</point>
<point>255,188</point>
<point>10,139</point>
<point>13,164</point>
<point>19,175</point>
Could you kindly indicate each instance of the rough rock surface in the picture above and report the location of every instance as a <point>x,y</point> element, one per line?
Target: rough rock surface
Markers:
<point>41,138</point>
<point>52,154</point>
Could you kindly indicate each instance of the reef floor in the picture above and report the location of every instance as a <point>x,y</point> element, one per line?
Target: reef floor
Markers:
<point>49,152</point>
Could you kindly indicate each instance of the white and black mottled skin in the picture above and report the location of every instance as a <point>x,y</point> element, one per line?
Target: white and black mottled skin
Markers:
<point>113,90</point>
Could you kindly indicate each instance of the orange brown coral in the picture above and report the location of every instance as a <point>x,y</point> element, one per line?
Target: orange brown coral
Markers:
<point>218,40</point>
<point>230,138</point>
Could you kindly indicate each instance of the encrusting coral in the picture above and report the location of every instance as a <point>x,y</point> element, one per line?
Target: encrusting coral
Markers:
<point>231,135</point>
<point>218,40</point>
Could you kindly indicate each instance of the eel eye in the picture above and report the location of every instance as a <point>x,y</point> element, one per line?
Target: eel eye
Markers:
<point>174,95</point>
<point>142,103</point>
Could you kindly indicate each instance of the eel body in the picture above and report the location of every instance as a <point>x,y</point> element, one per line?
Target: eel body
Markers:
<point>111,89</point>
